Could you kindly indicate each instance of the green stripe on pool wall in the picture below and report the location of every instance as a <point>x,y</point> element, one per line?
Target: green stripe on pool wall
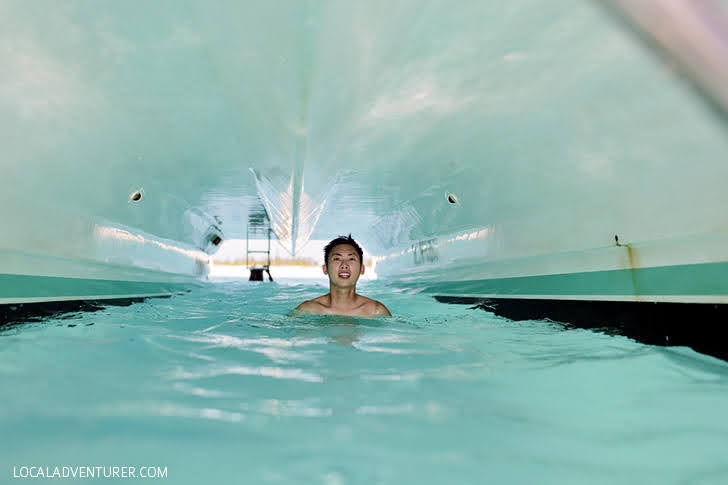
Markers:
<point>28,286</point>
<point>692,279</point>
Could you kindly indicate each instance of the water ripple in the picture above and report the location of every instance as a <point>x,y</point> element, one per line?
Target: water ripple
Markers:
<point>276,349</point>
<point>274,372</point>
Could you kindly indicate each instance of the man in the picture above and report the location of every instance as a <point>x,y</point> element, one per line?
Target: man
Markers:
<point>343,265</point>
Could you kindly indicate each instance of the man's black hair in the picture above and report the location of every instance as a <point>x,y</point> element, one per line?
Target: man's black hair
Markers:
<point>342,240</point>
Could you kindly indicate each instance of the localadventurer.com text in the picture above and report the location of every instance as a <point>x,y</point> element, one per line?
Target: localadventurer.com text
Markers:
<point>95,472</point>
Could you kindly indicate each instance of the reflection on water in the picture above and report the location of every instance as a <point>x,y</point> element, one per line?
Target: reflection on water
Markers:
<point>223,384</point>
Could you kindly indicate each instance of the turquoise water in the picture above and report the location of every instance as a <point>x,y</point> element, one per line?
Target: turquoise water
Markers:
<point>221,386</point>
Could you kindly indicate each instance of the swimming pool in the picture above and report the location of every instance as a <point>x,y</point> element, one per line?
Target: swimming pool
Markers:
<point>219,385</point>
<point>560,156</point>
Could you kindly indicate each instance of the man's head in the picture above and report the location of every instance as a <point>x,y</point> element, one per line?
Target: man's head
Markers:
<point>343,261</point>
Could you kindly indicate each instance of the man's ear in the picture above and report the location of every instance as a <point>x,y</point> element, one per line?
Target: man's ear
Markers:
<point>362,269</point>
<point>326,271</point>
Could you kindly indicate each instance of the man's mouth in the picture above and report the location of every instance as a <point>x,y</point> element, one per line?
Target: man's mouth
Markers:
<point>344,275</point>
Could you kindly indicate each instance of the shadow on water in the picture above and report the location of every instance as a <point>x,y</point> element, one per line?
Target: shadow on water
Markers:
<point>19,313</point>
<point>701,326</point>
<point>343,330</point>
<point>329,320</point>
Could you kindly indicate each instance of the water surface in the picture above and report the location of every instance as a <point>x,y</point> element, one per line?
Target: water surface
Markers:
<point>220,385</point>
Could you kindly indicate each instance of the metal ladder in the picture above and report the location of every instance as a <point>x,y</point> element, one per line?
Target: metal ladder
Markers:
<point>260,225</point>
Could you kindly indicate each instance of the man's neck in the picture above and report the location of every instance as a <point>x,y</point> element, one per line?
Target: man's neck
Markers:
<point>342,297</point>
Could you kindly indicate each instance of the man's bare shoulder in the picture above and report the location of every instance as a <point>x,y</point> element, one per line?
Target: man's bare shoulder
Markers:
<point>365,307</point>
<point>375,307</point>
<point>316,305</point>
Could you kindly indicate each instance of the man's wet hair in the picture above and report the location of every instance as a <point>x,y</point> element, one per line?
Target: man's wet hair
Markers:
<point>342,240</point>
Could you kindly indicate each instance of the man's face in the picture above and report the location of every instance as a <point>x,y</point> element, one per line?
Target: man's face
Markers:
<point>344,266</point>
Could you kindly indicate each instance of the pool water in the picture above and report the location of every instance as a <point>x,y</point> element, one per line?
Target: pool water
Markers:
<point>220,385</point>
